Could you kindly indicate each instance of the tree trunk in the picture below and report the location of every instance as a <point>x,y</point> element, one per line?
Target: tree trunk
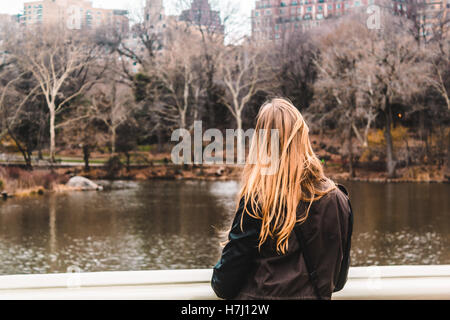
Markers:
<point>86,155</point>
<point>408,154</point>
<point>350,153</point>
<point>183,119</point>
<point>240,140</point>
<point>128,156</point>
<point>160,140</point>
<point>423,136</point>
<point>390,158</point>
<point>113,140</point>
<point>52,133</point>
<point>26,155</point>
<point>447,167</point>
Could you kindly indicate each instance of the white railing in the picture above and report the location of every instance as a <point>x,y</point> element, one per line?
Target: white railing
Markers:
<point>391,282</point>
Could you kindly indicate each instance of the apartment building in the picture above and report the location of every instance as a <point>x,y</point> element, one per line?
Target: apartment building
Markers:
<point>74,14</point>
<point>273,19</point>
<point>201,14</point>
<point>154,13</point>
<point>8,18</point>
<point>427,14</point>
<point>161,27</point>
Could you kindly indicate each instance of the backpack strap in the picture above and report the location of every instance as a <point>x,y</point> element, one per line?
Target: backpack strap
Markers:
<point>343,189</point>
<point>311,271</point>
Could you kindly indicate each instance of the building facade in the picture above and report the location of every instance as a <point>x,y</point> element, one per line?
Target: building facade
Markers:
<point>8,18</point>
<point>74,14</point>
<point>427,14</point>
<point>154,13</point>
<point>274,19</point>
<point>201,14</point>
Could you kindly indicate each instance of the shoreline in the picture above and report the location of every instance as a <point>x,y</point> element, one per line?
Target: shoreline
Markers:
<point>196,173</point>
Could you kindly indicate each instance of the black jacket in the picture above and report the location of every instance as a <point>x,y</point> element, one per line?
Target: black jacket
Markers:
<point>245,272</point>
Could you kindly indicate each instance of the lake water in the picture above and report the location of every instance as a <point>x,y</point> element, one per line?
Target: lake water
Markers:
<point>175,225</point>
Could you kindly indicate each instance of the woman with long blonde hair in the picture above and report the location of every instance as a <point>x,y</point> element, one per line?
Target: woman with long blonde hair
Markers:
<point>291,235</point>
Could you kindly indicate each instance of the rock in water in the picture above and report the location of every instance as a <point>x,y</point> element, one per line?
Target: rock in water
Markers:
<point>83,183</point>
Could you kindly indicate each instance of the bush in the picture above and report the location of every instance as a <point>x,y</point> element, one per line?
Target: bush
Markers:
<point>47,180</point>
<point>14,173</point>
<point>113,166</point>
<point>376,138</point>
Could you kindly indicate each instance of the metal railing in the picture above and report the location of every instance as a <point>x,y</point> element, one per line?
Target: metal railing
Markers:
<point>390,282</point>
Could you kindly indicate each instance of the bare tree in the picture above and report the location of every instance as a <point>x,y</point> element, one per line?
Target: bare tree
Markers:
<point>19,117</point>
<point>179,72</point>
<point>438,53</point>
<point>340,87</point>
<point>112,104</point>
<point>392,73</point>
<point>243,71</point>
<point>86,134</point>
<point>53,57</point>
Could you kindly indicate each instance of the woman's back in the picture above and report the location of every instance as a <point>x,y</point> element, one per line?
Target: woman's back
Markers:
<point>290,237</point>
<point>326,232</point>
<point>245,272</point>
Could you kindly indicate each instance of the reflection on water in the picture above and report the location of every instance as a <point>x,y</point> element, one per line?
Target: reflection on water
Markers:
<point>403,223</point>
<point>175,224</point>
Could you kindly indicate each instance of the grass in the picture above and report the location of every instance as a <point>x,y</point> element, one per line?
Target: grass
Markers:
<point>16,181</point>
<point>80,160</point>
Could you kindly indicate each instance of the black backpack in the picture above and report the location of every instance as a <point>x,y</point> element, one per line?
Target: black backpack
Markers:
<point>312,273</point>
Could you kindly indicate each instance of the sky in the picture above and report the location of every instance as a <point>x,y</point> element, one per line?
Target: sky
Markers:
<point>243,6</point>
<point>15,6</point>
<point>241,10</point>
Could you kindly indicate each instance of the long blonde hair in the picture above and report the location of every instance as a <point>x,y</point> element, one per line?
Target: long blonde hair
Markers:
<point>299,175</point>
